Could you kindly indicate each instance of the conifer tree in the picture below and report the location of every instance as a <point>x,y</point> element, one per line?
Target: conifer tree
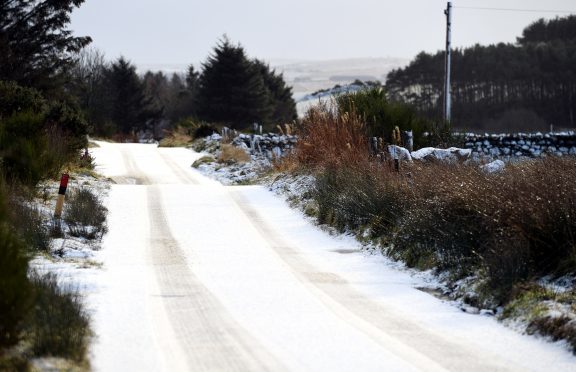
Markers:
<point>282,105</point>
<point>231,89</point>
<point>36,48</point>
<point>131,109</point>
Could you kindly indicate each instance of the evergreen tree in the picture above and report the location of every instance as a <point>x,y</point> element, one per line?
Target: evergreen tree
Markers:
<point>131,109</point>
<point>282,105</point>
<point>183,102</point>
<point>36,48</point>
<point>232,90</point>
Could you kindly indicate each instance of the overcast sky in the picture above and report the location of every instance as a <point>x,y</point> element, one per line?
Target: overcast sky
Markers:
<point>185,31</point>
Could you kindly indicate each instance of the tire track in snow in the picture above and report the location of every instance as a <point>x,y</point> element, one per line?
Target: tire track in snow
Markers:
<point>419,346</point>
<point>182,175</point>
<point>134,176</point>
<point>210,338</point>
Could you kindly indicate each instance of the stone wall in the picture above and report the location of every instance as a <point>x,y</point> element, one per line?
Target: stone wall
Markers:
<point>271,145</point>
<point>521,145</point>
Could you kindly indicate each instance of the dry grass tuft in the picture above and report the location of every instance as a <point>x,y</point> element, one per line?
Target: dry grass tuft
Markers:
<point>329,138</point>
<point>230,154</point>
<point>179,137</point>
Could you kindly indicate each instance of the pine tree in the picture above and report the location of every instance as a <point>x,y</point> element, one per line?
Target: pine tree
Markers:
<point>231,89</point>
<point>131,109</point>
<point>36,48</point>
<point>282,105</point>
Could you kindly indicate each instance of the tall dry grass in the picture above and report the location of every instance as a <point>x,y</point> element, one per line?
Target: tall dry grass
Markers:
<point>230,154</point>
<point>328,138</point>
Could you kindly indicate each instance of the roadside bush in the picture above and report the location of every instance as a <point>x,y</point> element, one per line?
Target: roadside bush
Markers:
<point>359,197</point>
<point>85,214</point>
<point>59,326</point>
<point>37,137</point>
<point>29,225</point>
<point>510,226</point>
<point>16,292</point>
<point>15,98</point>
<point>29,152</point>
<point>382,115</point>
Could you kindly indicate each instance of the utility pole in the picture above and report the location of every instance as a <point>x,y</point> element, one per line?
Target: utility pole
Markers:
<point>447,94</point>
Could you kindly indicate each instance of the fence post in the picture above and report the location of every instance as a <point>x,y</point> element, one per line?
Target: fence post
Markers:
<point>61,193</point>
<point>408,140</point>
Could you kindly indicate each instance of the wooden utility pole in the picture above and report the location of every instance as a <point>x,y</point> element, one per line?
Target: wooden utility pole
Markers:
<point>447,94</point>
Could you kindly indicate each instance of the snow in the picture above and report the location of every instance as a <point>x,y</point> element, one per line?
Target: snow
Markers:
<point>451,154</point>
<point>273,278</point>
<point>400,153</point>
<point>494,166</point>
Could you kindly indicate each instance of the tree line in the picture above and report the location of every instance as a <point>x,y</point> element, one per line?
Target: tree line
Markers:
<point>231,90</point>
<point>504,87</point>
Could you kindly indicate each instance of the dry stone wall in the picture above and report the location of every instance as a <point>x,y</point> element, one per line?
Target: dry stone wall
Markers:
<point>521,145</point>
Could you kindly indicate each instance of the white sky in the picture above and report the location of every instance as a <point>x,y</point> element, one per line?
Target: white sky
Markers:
<point>185,31</point>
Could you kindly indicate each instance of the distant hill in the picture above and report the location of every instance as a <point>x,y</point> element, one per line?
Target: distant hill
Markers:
<point>307,77</point>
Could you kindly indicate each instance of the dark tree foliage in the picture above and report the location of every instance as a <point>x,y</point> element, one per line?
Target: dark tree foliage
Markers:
<point>37,137</point>
<point>36,48</point>
<point>500,87</point>
<point>232,90</point>
<point>183,96</point>
<point>131,109</point>
<point>382,116</point>
<point>549,30</point>
<point>279,95</point>
<point>236,91</point>
<point>89,88</point>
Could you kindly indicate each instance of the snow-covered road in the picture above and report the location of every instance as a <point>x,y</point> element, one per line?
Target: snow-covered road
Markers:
<point>201,277</point>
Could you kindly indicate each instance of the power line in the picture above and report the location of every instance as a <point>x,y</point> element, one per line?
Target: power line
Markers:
<point>517,10</point>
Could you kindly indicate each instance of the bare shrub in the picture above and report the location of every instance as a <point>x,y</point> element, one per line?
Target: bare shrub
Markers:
<point>513,224</point>
<point>359,197</point>
<point>85,214</point>
<point>29,224</point>
<point>230,154</point>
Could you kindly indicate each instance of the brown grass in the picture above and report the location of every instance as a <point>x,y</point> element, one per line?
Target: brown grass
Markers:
<point>230,154</point>
<point>328,138</point>
<point>179,137</point>
<point>526,210</point>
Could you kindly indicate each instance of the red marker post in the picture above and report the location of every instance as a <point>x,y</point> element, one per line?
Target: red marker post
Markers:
<point>61,193</point>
